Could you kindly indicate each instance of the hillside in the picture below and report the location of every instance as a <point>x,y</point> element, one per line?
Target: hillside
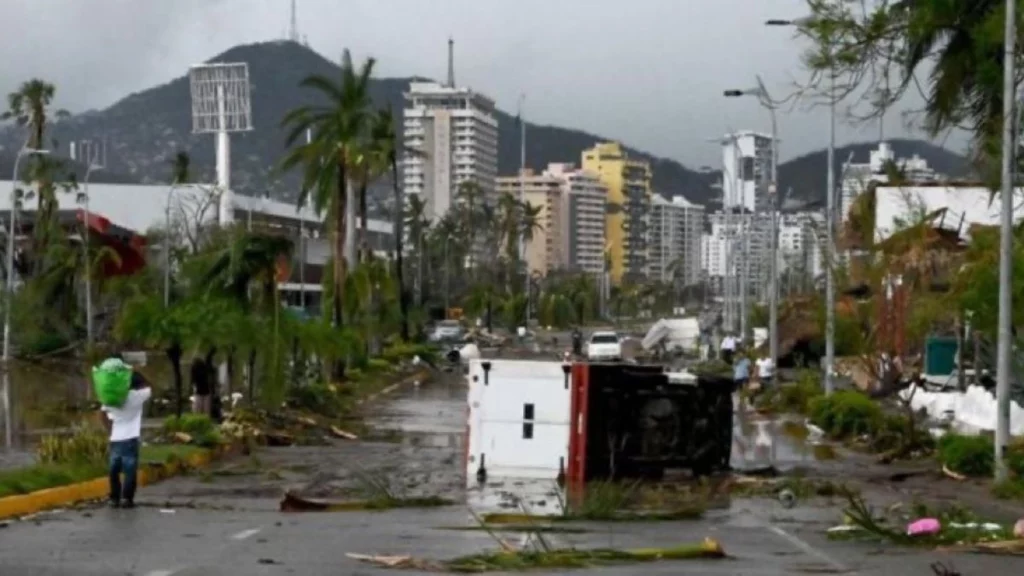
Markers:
<point>804,177</point>
<point>144,130</point>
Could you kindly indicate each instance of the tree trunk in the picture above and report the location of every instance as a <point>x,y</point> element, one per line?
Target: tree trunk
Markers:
<point>364,246</point>
<point>961,378</point>
<point>340,220</point>
<point>978,364</point>
<point>216,405</point>
<point>252,377</point>
<point>174,353</point>
<point>403,297</point>
<point>351,227</point>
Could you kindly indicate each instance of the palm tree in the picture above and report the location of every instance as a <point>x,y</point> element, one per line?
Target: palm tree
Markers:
<point>180,168</point>
<point>30,107</point>
<point>417,225</point>
<point>383,134</point>
<point>338,127</point>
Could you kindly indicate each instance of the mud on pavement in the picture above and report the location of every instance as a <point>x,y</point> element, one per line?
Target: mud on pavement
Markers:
<point>413,449</point>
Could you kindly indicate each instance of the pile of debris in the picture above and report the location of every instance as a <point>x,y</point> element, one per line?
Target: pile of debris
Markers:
<point>280,428</point>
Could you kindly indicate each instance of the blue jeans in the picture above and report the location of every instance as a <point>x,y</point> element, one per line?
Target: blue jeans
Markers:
<point>124,458</point>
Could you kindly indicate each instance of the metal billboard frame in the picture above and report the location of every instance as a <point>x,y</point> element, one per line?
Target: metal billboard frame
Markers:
<point>220,98</point>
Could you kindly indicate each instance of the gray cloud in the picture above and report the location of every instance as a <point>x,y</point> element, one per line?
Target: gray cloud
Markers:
<point>650,72</point>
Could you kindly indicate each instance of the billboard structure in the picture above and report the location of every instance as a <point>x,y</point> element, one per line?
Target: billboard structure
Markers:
<point>221,105</point>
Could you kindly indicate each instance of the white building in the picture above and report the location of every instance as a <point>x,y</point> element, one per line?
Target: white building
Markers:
<point>586,199</point>
<point>142,208</point>
<point>858,176</point>
<point>746,169</point>
<point>800,249</point>
<point>674,240</point>
<point>738,247</point>
<point>451,135</point>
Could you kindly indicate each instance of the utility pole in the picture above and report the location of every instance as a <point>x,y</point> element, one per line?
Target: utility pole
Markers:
<point>1004,353</point>
<point>522,201</point>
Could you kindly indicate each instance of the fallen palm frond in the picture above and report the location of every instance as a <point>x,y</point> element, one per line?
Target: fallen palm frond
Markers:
<point>507,560</point>
<point>958,528</point>
<point>295,503</point>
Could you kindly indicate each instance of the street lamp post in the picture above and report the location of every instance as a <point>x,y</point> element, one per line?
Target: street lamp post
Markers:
<point>9,291</point>
<point>830,185</point>
<point>761,92</point>
<point>1004,349</point>
<point>90,168</point>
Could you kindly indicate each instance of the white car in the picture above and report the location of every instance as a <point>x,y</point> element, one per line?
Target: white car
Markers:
<point>447,331</point>
<point>604,346</point>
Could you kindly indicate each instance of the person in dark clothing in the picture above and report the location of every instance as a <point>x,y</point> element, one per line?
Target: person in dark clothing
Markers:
<point>202,386</point>
<point>577,342</point>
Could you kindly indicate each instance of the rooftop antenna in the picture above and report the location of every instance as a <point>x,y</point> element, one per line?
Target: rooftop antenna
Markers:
<point>293,28</point>
<point>451,62</point>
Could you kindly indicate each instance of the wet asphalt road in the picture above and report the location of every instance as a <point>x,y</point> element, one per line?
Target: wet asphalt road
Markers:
<point>226,522</point>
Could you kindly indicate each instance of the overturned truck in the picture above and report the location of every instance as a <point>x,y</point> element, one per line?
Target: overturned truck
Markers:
<point>581,422</point>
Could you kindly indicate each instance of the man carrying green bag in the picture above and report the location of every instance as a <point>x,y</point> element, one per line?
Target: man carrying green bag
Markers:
<point>123,392</point>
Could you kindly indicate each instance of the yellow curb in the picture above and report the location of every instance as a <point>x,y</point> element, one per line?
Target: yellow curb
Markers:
<point>97,489</point>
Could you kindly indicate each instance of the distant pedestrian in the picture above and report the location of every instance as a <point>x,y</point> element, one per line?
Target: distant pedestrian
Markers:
<point>202,386</point>
<point>729,344</point>
<point>765,372</point>
<point>125,440</point>
<point>741,372</point>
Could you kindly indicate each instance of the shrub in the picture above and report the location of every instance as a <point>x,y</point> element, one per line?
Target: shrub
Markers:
<point>846,414</point>
<point>975,455</point>
<point>199,427</point>
<point>969,455</point>
<point>319,398</point>
<point>85,445</point>
<point>792,398</point>
<point>399,352</point>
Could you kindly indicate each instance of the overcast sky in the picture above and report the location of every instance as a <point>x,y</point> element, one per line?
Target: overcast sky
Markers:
<point>648,72</point>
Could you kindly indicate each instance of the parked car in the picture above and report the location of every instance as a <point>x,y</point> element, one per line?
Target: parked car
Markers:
<point>604,346</point>
<point>447,331</point>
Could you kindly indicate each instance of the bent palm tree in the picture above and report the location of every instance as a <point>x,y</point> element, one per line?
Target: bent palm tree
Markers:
<point>337,127</point>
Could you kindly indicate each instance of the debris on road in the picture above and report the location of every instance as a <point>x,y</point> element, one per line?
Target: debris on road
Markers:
<point>924,527</point>
<point>343,434</point>
<point>510,560</point>
<point>294,503</point>
<point>385,561</point>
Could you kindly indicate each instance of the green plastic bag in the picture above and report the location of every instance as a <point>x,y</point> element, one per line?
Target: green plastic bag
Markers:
<point>112,380</point>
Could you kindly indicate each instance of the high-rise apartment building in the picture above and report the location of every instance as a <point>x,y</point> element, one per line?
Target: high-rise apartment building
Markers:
<point>738,247</point>
<point>629,199</point>
<point>746,170</point>
<point>451,135</point>
<point>571,231</point>
<point>676,228</point>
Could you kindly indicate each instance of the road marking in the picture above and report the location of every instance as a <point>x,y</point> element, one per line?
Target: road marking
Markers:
<point>246,534</point>
<point>811,550</point>
<point>161,572</point>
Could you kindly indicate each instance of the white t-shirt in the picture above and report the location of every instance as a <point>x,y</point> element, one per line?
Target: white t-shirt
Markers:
<point>126,421</point>
<point>765,368</point>
<point>728,343</point>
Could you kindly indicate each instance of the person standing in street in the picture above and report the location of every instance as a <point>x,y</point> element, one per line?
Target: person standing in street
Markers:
<point>741,372</point>
<point>202,386</point>
<point>125,441</point>
<point>728,348</point>
<point>765,373</point>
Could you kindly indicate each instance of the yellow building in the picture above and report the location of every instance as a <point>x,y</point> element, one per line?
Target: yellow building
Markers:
<point>629,200</point>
